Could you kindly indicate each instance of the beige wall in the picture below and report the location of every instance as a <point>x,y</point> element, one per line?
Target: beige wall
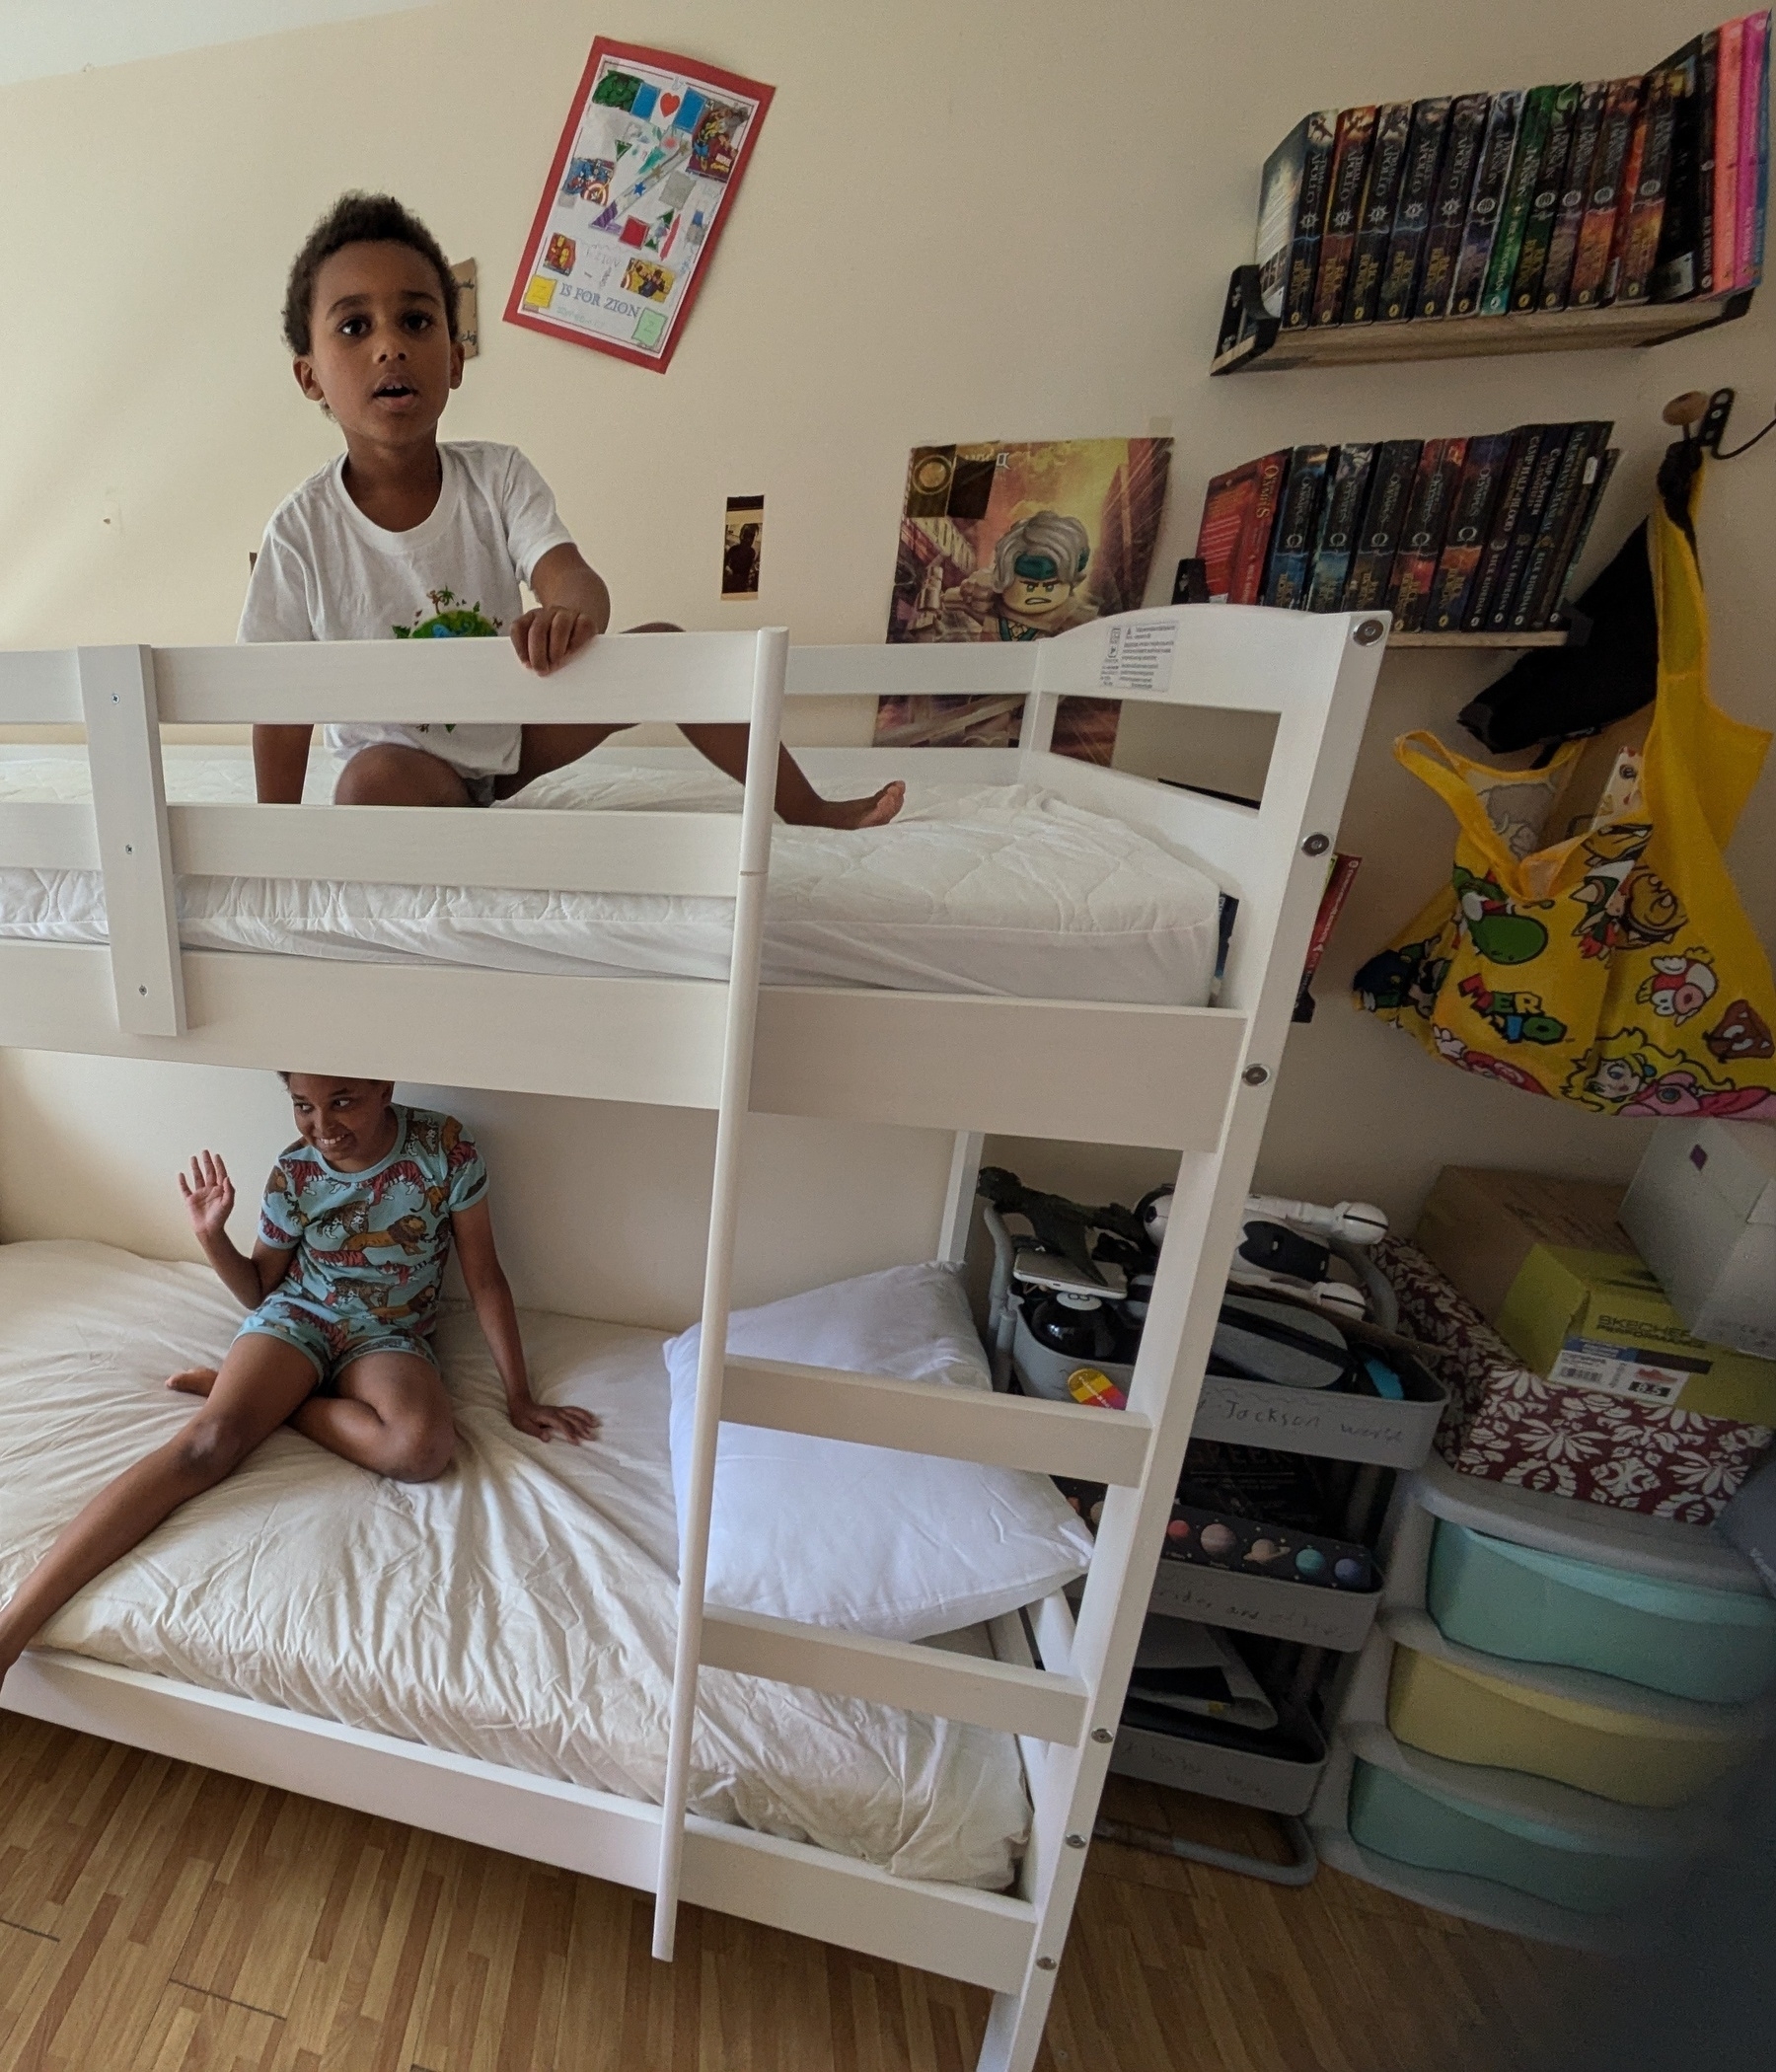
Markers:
<point>601,1209</point>
<point>1004,219</point>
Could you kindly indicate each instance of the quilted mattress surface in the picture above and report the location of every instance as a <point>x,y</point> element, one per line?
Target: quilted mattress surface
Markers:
<point>520,1609</point>
<point>1003,889</point>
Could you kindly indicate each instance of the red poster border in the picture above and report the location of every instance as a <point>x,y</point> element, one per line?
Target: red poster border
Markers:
<point>659,60</point>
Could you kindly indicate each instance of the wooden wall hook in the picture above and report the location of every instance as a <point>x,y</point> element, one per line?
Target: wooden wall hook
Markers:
<point>1686,409</point>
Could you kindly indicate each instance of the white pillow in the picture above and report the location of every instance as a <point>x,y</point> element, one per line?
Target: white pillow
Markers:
<point>900,1545</point>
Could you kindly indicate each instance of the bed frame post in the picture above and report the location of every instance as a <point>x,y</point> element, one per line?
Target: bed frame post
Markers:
<point>129,805</point>
<point>959,1197</point>
<point>757,815</point>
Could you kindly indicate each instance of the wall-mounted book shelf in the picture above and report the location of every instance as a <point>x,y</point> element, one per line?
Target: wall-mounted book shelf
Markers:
<point>1268,349</point>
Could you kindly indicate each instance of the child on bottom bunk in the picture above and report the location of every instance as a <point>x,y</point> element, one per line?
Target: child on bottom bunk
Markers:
<point>401,538</point>
<point>342,1291</point>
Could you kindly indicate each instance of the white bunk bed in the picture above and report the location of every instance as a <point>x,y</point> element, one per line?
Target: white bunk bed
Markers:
<point>1189,1079</point>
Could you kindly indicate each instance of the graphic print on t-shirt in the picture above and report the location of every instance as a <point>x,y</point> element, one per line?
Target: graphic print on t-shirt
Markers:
<point>451,620</point>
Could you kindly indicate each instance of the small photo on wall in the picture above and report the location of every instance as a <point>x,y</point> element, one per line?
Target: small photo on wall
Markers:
<point>743,538</point>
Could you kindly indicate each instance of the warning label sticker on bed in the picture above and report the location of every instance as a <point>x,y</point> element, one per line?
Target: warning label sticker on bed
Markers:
<point>1138,656</point>
<point>1618,1370</point>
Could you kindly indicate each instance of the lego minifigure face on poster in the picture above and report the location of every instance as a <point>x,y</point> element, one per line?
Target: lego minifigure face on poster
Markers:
<point>1036,588</point>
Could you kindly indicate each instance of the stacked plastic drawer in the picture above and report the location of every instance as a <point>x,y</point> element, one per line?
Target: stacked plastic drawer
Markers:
<point>1544,1725</point>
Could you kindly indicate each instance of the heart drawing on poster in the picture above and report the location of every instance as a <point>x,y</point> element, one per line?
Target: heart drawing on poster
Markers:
<point>669,104</point>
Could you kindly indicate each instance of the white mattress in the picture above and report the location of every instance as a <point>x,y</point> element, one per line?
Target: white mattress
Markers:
<point>520,1609</point>
<point>1003,889</point>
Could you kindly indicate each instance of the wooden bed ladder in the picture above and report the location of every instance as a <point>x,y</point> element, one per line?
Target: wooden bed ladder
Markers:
<point>1061,1696</point>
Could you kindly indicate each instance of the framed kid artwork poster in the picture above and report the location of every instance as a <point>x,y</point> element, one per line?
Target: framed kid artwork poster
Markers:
<point>645,174</point>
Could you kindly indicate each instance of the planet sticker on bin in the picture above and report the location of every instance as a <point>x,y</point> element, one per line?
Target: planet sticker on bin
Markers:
<point>1262,1550</point>
<point>1218,1540</point>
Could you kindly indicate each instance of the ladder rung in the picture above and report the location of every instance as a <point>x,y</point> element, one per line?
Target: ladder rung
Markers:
<point>965,1687</point>
<point>933,1417</point>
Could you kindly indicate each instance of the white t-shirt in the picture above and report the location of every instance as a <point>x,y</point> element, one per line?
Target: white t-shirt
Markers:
<point>326,572</point>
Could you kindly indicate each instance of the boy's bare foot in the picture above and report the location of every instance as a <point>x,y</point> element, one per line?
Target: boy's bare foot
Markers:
<point>873,812</point>
<point>193,1380</point>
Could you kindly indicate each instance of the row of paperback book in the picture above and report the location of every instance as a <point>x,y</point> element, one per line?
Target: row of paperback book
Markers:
<point>1565,196</point>
<point>1477,535</point>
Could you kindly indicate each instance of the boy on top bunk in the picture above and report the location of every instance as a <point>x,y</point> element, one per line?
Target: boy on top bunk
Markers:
<point>341,1294</point>
<point>401,538</point>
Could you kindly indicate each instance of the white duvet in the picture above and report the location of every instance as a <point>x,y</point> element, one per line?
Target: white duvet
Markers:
<point>1003,889</point>
<point>520,1609</point>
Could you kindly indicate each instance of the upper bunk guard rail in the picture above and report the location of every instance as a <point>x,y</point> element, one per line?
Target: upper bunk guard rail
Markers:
<point>123,696</point>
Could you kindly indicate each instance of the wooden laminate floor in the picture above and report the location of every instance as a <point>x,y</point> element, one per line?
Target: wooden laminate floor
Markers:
<point>154,1916</point>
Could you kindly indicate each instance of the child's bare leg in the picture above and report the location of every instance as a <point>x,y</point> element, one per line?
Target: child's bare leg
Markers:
<point>259,1384</point>
<point>390,1415</point>
<point>551,746</point>
<point>796,799</point>
<point>393,775</point>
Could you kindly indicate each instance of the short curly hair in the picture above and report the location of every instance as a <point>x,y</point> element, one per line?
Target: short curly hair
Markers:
<point>358,219</point>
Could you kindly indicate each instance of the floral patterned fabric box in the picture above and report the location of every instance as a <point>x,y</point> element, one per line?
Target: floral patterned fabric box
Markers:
<point>1509,1424</point>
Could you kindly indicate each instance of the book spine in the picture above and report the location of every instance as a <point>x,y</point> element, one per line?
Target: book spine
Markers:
<point>1338,889</point>
<point>1225,505</point>
<point>1575,195</point>
<point>1544,203</point>
<point>1754,75</point>
<point>1643,205</point>
<point>1449,212</point>
<point>1384,521</point>
<point>1246,577</point>
<point>1279,192</point>
<point>1519,198</point>
<point>1489,183</point>
<point>1578,476</point>
<point>1350,168</point>
<point>1596,234</point>
<point>1381,197</point>
<point>1527,530</point>
<point>1310,220</point>
<point>1676,262</point>
<point>1761,221</point>
<point>1412,218</point>
<point>1339,520</point>
<point>1727,155</point>
<point>1519,468</point>
<point>1708,86</point>
<point>1414,565</point>
<point>1464,541</point>
<point>1563,590</point>
<point>1291,540</point>
<point>1633,166</point>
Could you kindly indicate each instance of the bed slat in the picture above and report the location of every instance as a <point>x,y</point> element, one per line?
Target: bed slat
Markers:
<point>688,854</point>
<point>39,687</point>
<point>933,1417</point>
<point>1079,1069</point>
<point>619,679</point>
<point>48,836</point>
<point>981,1692</point>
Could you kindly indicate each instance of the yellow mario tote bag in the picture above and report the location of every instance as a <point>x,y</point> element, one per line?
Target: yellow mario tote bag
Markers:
<point>1616,968</point>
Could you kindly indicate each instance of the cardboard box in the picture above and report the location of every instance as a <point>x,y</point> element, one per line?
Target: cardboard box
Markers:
<point>1702,1214</point>
<point>1548,1265</point>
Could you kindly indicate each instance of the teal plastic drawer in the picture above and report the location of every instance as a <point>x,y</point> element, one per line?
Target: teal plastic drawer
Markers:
<point>1413,1825</point>
<point>1715,1645</point>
